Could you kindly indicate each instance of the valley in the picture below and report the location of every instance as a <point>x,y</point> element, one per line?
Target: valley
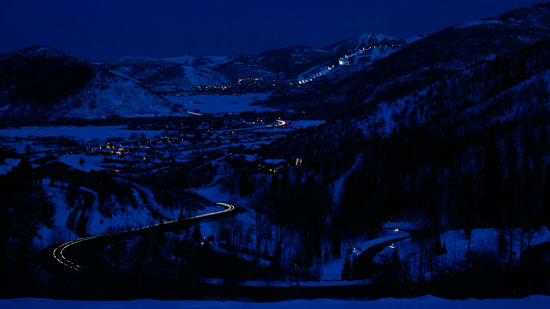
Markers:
<point>367,168</point>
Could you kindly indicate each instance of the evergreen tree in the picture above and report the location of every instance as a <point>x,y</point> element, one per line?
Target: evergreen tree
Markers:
<point>197,236</point>
<point>502,247</point>
<point>356,270</point>
<point>395,267</point>
<point>347,270</point>
<point>336,245</point>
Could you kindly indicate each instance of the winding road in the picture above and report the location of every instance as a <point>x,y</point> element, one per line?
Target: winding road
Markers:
<point>73,255</point>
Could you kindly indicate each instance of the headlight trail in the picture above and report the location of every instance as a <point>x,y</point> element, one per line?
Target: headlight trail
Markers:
<point>60,256</point>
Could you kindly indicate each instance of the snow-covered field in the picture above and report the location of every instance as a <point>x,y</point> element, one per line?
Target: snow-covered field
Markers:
<point>84,133</point>
<point>333,269</point>
<point>427,302</point>
<point>214,104</point>
<point>456,245</point>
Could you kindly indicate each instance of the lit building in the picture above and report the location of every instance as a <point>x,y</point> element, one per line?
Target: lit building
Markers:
<point>343,61</point>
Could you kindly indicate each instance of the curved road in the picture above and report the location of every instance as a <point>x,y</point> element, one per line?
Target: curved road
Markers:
<point>70,255</point>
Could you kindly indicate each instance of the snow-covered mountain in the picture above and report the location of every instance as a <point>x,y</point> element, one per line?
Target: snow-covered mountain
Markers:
<point>171,74</point>
<point>282,64</point>
<point>43,83</point>
<point>466,77</point>
<point>359,41</point>
<point>357,53</point>
<point>433,118</point>
<point>410,67</point>
<point>367,68</point>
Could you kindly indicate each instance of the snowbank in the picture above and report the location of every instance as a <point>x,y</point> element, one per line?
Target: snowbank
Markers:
<point>385,303</point>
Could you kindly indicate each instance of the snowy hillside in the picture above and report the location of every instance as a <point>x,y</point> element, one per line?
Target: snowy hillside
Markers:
<point>356,60</point>
<point>170,74</point>
<point>40,82</point>
<point>288,63</point>
<point>423,61</point>
<point>361,40</point>
<point>108,95</point>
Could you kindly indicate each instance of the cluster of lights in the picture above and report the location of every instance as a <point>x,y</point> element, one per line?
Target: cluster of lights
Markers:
<point>343,61</point>
<point>251,79</point>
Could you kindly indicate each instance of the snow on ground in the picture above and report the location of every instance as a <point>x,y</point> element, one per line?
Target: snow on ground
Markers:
<point>8,165</point>
<point>479,23</point>
<point>246,219</point>
<point>84,133</point>
<point>215,103</point>
<point>217,194</point>
<point>338,186</point>
<point>427,302</point>
<point>333,269</point>
<point>149,199</point>
<point>122,217</point>
<point>85,163</point>
<point>59,231</point>
<point>108,95</point>
<point>121,220</point>
<point>456,245</point>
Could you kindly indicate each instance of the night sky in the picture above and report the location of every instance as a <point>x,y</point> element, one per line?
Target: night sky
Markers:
<point>104,29</point>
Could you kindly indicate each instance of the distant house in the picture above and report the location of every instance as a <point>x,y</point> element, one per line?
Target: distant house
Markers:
<point>54,168</point>
<point>273,165</point>
<point>44,160</point>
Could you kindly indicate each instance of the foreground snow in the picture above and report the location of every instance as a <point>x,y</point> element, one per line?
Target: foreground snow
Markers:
<point>386,303</point>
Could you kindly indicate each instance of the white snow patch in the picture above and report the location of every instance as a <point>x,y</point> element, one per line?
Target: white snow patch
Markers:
<point>8,165</point>
<point>427,302</point>
<point>58,232</point>
<point>479,23</point>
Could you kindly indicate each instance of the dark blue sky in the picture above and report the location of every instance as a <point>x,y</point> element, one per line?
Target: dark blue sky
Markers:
<point>102,29</point>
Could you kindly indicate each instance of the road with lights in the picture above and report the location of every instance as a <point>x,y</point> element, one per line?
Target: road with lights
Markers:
<point>75,255</point>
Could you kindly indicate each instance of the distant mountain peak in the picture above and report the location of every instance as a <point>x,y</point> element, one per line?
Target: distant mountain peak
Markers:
<point>361,40</point>
<point>38,51</point>
<point>372,36</point>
